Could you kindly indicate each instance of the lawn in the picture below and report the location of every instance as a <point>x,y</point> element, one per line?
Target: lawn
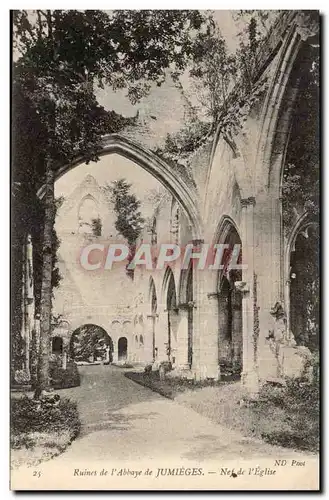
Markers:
<point>42,429</point>
<point>283,415</point>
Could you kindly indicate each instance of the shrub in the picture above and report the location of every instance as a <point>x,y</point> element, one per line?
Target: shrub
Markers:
<point>299,403</point>
<point>56,415</point>
<point>63,379</point>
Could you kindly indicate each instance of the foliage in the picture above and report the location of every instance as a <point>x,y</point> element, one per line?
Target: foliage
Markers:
<point>213,69</point>
<point>299,400</point>
<point>129,222</point>
<point>89,341</point>
<point>97,227</point>
<point>28,415</point>
<point>65,54</point>
<point>63,379</point>
<point>186,140</point>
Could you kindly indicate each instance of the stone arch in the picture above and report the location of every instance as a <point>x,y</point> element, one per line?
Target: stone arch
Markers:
<point>126,327</point>
<point>101,343</point>
<point>184,190</point>
<point>230,326</point>
<point>168,279</point>
<point>169,300</point>
<point>277,112</point>
<point>302,226</point>
<point>90,215</point>
<point>237,161</point>
<point>122,349</point>
<point>153,300</point>
<point>224,226</point>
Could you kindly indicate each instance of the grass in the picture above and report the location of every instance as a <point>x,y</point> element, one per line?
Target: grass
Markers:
<point>42,429</point>
<point>284,416</point>
<point>169,387</point>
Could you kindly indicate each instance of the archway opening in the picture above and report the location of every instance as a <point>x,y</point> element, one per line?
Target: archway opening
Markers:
<point>57,345</point>
<point>122,349</point>
<point>305,287</point>
<point>91,343</point>
<point>300,186</point>
<point>172,316</point>
<point>88,217</point>
<point>230,338</point>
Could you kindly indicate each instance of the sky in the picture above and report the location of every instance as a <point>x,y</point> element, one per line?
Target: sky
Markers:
<point>109,168</point>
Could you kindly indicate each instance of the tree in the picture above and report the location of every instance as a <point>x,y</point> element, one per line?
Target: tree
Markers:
<point>97,227</point>
<point>129,222</point>
<point>63,55</point>
<point>90,341</point>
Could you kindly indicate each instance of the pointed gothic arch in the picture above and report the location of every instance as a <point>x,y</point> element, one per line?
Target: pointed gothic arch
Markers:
<point>182,189</point>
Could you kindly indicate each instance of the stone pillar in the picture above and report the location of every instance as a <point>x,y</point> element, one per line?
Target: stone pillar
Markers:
<point>269,274</point>
<point>161,335</point>
<point>205,345</point>
<point>149,342</point>
<point>249,377</point>
<point>182,338</point>
<point>64,360</point>
<point>237,327</point>
<point>115,351</point>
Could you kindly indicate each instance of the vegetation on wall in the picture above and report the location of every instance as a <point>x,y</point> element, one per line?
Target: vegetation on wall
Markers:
<point>129,221</point>
<point>224,84</point>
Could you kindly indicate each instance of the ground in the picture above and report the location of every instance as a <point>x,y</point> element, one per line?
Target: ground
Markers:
<point>126,425</point>
<point>122,420</point>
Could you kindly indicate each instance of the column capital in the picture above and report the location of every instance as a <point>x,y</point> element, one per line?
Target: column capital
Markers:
<point>248,201</point>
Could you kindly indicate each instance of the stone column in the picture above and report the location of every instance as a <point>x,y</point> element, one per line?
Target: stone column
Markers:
<point>269,274</point>
<point>115,351</point>
<point>205,345</point>
<point>182,337</point>
<point>64,360</point>
<point>149,342</point>
<point>223,342</point>
<point>249,377</point>
<point>161,335</point>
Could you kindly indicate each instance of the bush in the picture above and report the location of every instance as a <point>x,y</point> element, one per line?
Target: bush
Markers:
<point>63,379</point>
<point>56,415</point>
<point>299,402</point>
